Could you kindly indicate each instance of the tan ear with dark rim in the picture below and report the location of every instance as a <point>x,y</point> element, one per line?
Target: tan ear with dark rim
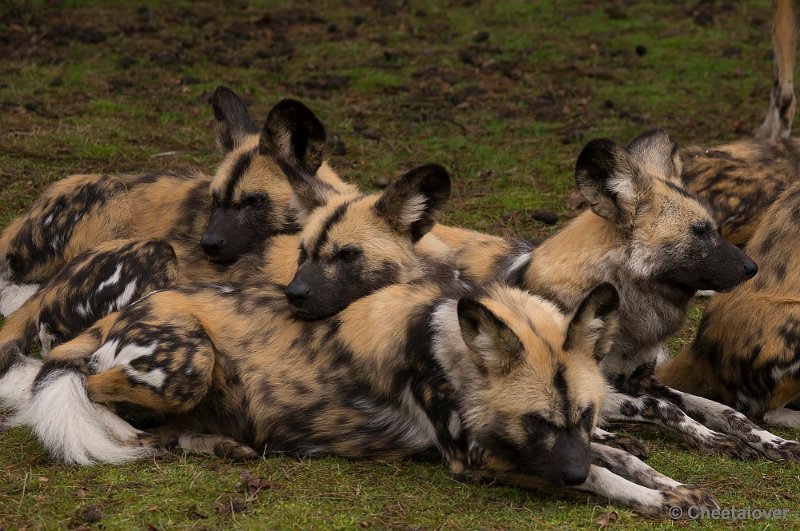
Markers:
<point>606,178</point>
<point>294,133</point>
<point>410,204</point>
<point>494,347</point>
<point>592,329</point>
<point>309,191</point>
<point>233,123</point>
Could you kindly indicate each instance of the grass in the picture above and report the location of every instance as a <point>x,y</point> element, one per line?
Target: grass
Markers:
<point>504,94</point>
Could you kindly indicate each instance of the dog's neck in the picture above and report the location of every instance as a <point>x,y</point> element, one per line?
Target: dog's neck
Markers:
<point>567,265</point>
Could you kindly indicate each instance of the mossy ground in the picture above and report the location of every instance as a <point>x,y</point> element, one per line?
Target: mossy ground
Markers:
<point>504,94</point>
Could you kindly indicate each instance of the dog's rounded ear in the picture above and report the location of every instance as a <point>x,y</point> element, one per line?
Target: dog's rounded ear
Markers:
<point>493,347</point>
<point>655,153</point>
<point>294,133</point>
<point>233,123</point>
<point>593,327</point>
<point>608,181</point>
<point>308,190</point>
<point>410,204</point>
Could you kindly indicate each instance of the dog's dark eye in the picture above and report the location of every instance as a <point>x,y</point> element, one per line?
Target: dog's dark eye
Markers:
<point>348,253</point>
<point>701,230</point>
<point>587,417</point>
<point>214,203</point>
<point>255,201</point>
<point>303,256</point>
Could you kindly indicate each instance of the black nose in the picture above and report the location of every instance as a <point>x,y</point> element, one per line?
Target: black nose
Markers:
<point>297,293</point>
<point>750,268</point>
<point>575,473</point>
<point>212,243</point>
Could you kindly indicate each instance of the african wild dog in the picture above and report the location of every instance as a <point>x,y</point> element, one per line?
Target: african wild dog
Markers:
<point>384,225</point>
<point>250,200</point>
<point>657,244</point>
<point>500,382</point>
<point>739,181</point>
<point>746,350</point>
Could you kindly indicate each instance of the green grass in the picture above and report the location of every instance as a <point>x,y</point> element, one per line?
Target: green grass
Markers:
<point>504,94</point>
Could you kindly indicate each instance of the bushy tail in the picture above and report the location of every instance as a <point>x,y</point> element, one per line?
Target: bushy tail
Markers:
<point>17,373</point>
<point>74,429</point>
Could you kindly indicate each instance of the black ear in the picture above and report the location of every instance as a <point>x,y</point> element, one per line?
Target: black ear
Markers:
<point>656,153</point>
<point>411,203</point>
<point>293,132</point>
<point>493,346</point>
<point>233,122</point>
<point>608,181</point>
<point>592,329</point>
<point>309,190</point>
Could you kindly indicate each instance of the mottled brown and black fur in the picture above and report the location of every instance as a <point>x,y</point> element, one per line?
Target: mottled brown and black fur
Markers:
<point>504,385</point>
<point>93,285</point>
<point>747,349</point>
<point>499,382</point>
<point>657,243</point>
<point>248,201</point>
<point>739,181</point>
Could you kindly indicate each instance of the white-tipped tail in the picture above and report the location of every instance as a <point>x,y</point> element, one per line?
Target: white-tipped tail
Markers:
<point>12,296</point>
<point>15,384</point>
<point>75,430</point>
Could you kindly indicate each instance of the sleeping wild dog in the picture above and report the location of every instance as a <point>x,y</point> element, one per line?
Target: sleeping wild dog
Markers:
<point>657,244</point>
<point>746,351</point>
<point>253,202</point>
<point>210,223</point>
<point>501,383</point>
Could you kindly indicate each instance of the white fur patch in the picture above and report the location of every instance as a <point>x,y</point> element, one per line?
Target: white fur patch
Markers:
<point>705,293</point>
<point>113,279</point>
<point>106,357</point>
<point>75,430</point>
<point>413,209</point>
<point>518,262</point>
<point>622,185</point>
<point>103,358</point>
<point>125,297</point>
<point>787,418</point>
<point>15,385</point>
<point>12,296</point>
<point>778,373</point>
<point>154,378</point>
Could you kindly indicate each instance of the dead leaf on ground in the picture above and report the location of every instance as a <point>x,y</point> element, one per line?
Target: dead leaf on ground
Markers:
<point>607,519</point>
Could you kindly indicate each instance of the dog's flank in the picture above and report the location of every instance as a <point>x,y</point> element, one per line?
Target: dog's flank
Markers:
<point>739,181</point>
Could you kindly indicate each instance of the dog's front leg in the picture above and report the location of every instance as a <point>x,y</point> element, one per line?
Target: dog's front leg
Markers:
<point>661,412</point>
<point>722,418</point>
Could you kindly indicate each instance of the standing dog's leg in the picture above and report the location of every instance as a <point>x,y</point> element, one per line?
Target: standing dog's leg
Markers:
<point>778,123</point>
